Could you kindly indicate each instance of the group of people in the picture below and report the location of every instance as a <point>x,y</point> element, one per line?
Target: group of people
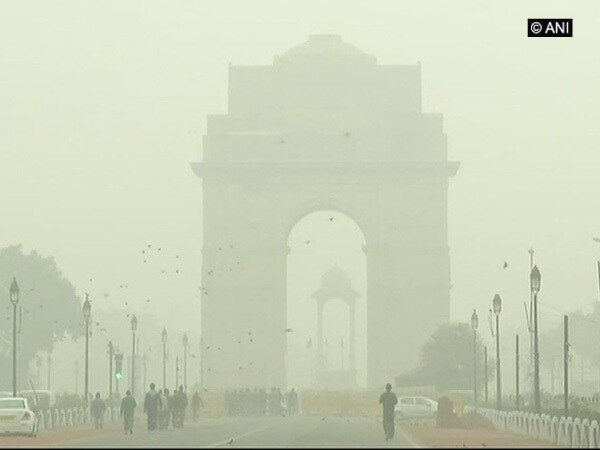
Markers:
<point>259,402</point>
<point>161,407</point>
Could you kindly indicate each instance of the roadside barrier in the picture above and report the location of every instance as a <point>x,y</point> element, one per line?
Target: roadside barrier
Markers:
<point>564,431</point>
<point>70,417</point>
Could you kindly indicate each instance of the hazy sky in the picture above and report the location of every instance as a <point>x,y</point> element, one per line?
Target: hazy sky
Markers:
<point>103,106</point>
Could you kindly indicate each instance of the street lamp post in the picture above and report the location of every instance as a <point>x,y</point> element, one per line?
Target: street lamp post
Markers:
<point>13,295</point>
<point>517,363</point>
<point>474,325</point>
<point>202,364</point>
<point>111,352</point>
<point>164,343</point>
<point>497,305</point>
<point>49,369</point>
<point>145,362</point>
<point>134,324</point>
<point>485,373</point>
<point>87,311</point>
<point>185,348</point>
<point>38,365</point>
<point>535,279</point>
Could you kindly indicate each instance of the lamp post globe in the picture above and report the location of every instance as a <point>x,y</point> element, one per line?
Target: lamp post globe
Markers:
<point>497,304</point>
<point>535,279</point>
<point>474,320</point>
<point>13,292</point>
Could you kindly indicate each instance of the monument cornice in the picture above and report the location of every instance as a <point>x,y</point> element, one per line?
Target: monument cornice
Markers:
<point>332,168</point>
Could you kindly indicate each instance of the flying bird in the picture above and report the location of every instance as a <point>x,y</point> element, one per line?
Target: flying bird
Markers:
<point>331,219</point>
<point>505,265</point>
<point>307,242</point>
<point>289,330</point>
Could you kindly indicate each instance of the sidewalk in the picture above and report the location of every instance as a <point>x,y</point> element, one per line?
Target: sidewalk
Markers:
<point>427,435</point>
<point>62,435</point>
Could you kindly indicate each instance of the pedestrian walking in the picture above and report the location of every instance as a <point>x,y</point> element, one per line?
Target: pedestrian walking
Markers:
<point>163,412</point>
<point>388,401</point>
<point>97,409</point>
<point>291,401</point>
<point>128,405</point>
<point>151,407</point>
<point>180,406</point>
<point>196,403</point>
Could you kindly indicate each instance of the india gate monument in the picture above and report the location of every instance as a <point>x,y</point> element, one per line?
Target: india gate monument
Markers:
<point>323,128</point>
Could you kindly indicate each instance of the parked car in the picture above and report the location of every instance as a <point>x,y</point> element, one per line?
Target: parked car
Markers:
<point>415,407</point>
<point>16,417</point>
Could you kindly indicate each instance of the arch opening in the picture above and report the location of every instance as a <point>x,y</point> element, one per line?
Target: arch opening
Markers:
<point>327,284</point>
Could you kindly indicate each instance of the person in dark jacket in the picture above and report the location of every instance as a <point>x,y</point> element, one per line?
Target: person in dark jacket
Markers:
<point>196,403</point>
<point>97,409</point>
<point>388,401</point>
<point>180,406</point>
<point>127,409</point>
<point>152,406</point>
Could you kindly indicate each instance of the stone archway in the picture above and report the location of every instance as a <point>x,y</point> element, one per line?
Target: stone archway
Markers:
<point>324,128</point>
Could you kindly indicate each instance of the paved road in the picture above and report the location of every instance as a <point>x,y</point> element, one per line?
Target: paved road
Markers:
<point>296,431</point>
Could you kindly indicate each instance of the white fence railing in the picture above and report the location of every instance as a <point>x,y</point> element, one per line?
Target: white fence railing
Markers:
<point>567,432</point>
<point>70,417</point>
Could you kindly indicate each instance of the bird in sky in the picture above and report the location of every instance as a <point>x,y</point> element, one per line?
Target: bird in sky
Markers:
<point>331,219</point>
<point>307,242</point>
<point>505,265</point>
<point>289,330</point>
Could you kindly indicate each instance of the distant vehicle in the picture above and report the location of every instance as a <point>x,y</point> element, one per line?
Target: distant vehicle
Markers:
<point>415,407</point>
<point>45,399</point>
<point>16,417</point>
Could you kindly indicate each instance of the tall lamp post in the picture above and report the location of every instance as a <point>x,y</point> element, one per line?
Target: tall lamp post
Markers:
<point>13,295</point>
<point>474,325</point>
<point>111,352</point>
<point>87,312</point>
<point>164,343</point>
<point>134,324</point>
<point>49,369</point>
<point>497,305</point>
<point>536,279</point>
<point>185,348</point>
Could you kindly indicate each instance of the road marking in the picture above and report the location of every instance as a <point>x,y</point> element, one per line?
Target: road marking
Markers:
<point>239,436</point>
<point>406,436</point>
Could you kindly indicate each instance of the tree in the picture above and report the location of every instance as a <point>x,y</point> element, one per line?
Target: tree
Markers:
<point>50,310</point>
<point>447,360</point>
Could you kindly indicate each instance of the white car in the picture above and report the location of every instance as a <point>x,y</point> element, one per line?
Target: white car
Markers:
<point>415,407</point>
<point>16,417</point>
